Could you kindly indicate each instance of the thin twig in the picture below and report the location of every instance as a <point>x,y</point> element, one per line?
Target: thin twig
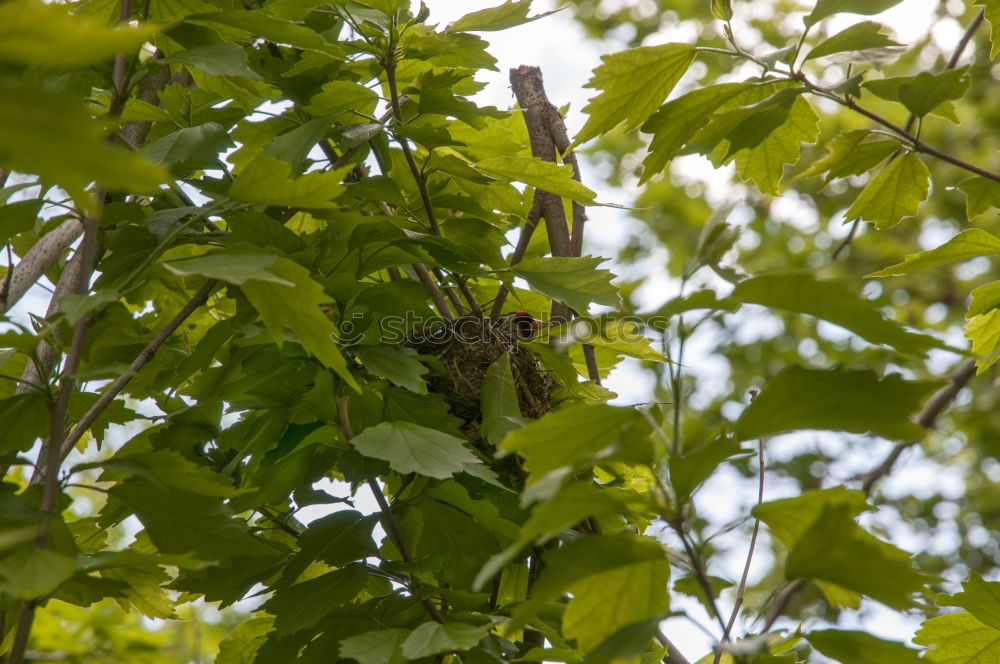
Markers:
<point>746,568</point>
<point>140,361</point>
<point>847,240</point>
<point>388,518</point>
<point>390,74</point>
<point>699,571</point>
<point>927,419</point>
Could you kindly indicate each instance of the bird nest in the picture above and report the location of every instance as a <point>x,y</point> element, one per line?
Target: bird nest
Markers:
<point>465,349</point>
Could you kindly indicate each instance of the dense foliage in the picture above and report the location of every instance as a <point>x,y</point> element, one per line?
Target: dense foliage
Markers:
<point>291,266</point>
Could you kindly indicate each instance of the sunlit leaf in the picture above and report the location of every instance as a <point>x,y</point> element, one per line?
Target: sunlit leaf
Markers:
<point>632,84</point>
<point>968,244</point>
<point>894,193</point>
<point>981,194</point>
<point>575,281</point>
<point>269,181</point>
<point>958,638</point>
<point>553,178</point>
<point>511,13</point>
<point>432,638</point>
<point>980,598</point>
<point>851,153</point>
<point>826,8</point>
<point>851,647</point>
<point>858,37</point>
<point>984,332</point>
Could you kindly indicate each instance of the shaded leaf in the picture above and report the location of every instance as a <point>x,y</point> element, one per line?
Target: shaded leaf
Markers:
<point>836,549</point>
<point>398,365</point>
<point>851,153</point>
<point>925,91</point>
<point>836,400</point>
<point>980,598</point>
<point>832,302</point>
<point>411,448</point>
<point>233,268</point>
<point>305,604</point>
<point>242,644</point>
<point>788,519</point>
<point>191,148</point>
<point>30,574</point>
<point>432,638</point>
<point>850,647</point>
<point>499,401</point>
<point>338,96</point>
<point>216,60</point>
<point>380,647</point>
<point>298,308</point>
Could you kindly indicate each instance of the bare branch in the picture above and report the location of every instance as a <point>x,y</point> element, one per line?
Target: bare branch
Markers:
<point>42,255</point>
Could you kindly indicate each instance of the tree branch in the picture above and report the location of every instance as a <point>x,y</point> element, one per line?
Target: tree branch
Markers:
<point>388,518</point>
<point>37,261</point>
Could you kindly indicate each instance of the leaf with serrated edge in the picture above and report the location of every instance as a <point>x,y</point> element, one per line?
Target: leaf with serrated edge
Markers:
<point>411,448</point>
<point>967,244</point>
<point>554,178</point>
<point>632,84</point>
<point>981,194</point>
<point>576,282</point>
<point>894,193</point>
<point>984,332</point>
<point>859,37</point>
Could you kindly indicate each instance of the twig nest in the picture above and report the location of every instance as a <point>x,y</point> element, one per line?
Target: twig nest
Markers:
<point>466,348</point>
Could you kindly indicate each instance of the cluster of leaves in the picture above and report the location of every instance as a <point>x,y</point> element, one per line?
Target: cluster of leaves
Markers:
<point>263,192</point>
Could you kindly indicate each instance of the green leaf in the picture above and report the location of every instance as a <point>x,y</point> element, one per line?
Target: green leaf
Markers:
<point>578,434</point>
<point>632,84</point>
<point>788,519</point>
<point>836,549</point>
<point>234,268</point>
<point>849,647</point>
<point>894,193</point>
<point>305,604</point>
<point>398,365</point>
<point>338,538</point>
<point>826,8</point>
<point>26,418</point>
<point>967,244</point>
<point>499,401</point>
<point>677,121</point>
<point>891,89</point>
<point>984,298</point>
<point>49,35</point>
<point>832,302</point>
<point>607,602</point>
<point>179,521</point>
<point>980,598</point>
<point>30,574</point>
<point>764,163</point>
<point>298,308</point>
<point>981,194</point>
<point>576,282</point>
<point>984,332</point>
<point>550,518</point>
<point>215,60</point>
<point>554,178</point>
<point>242,644</point>
<point>191,148</point>
<point>958,638</point>
<point>269,181</point>
<point>508,15</point>
<point>689,470</point>
<point>339,96</point>
<point>433,638</point>
<point>17,218</point>
<point>54,123</point>
<point>851,153</point>
<point>859,37</point>
<point>925,91</point>
<point>722,10</point>
<point>582,558</point>
<point>991,11</point>
<point>411,448</point>
<point>380,647</point>
<point>263,24</point>
<point>835,400</point>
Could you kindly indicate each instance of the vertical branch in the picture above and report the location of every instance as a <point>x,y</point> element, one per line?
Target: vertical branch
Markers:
<point>388,518</point>
<point>548,137</point>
